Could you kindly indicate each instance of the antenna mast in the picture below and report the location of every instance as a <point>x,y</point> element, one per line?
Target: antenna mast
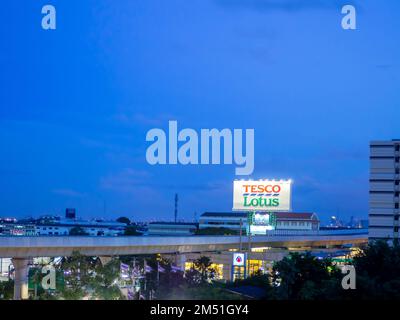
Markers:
<point>176,207</point>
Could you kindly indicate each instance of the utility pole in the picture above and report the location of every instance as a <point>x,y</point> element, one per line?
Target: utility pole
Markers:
<point>158,273</point>
<point>176,207</point>
<point>240,234</point>
<point>250,222</point>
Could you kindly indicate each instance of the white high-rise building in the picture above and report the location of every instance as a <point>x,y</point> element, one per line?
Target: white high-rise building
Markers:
<point>384,190</point>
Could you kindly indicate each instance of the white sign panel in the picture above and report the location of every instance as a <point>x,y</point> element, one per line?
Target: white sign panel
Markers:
<point>260,230</point>
<point>238,259</point>
<point>262,195</point>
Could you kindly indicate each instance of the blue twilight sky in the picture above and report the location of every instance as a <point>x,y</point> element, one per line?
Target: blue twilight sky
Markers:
<point>76,103</point>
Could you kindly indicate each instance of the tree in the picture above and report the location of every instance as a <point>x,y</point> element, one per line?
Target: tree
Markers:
<point>131,231</point>
<point>78,270</point>
<point>193,278</point>
<point>167,279</point>
<point>77,231</point>
<point>36,279</point>
<point>301,276</point>
<point>203,265</point>
<point>105,281</point>
<point>6,290</point>
<point>124,220</point>
<point>377,272</point>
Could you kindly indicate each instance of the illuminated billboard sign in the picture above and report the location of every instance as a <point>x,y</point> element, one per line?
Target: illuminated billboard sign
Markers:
<point>260,223</point>
<point>262,195</point>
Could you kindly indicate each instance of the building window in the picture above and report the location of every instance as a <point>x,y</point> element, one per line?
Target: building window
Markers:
<point>396,229</point>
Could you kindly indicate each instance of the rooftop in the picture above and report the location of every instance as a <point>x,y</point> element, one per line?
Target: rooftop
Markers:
<point>279,215</point>
<point>295,215</point>
<point>174,223</point>
<point>225,214</point>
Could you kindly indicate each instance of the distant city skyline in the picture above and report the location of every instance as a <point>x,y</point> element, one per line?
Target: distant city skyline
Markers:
<point>77,102</point>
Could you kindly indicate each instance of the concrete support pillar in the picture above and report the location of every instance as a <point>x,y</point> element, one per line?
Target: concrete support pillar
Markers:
<point>180,260</point>
<point>20,278</point>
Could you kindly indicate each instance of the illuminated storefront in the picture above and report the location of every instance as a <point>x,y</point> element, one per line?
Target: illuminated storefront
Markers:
<point>217,267</point>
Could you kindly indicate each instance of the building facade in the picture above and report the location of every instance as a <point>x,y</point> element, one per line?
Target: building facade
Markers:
<point>171,228</point>
<point>59,226</point>
<point>63,227</point>
<point>384,190</point>
<point>296,221</point>
<point>284,221</point>
<point>229,220</point>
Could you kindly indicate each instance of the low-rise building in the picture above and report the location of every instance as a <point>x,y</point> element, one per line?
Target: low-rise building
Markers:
<point>57,226</point>
<point>296,221</point>
<point>172,228</point>
<point>17,229</point>
<point>237,220</point>
<point>92,228</point>
<point>229,220</point>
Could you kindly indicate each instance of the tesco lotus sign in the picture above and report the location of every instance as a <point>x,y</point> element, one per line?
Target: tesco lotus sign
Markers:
<point>262,195</point>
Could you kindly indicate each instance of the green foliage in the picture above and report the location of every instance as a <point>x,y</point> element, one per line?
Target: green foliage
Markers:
<point>131,231</point>
<point>77,231</point>
<point>105,281</point>
<point>301,276</point>
<point>78,272</point>
<point>378,272</point>
<point>193,278</point>
<point>124,220</point>
<point>203,265</point>
<point>6,290</point>
<point>217,232</point>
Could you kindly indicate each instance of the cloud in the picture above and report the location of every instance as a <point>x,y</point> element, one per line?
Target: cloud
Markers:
<point>283,5</point>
